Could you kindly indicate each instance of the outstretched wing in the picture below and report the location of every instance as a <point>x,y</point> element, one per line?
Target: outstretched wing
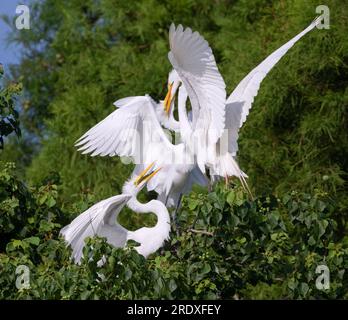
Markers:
<point>240,101</point>
<point>132,130</point>
<point>99,220</point>
<point>193,59</point>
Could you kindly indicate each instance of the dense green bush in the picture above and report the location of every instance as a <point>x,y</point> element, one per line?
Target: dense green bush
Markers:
<point>226,247</point>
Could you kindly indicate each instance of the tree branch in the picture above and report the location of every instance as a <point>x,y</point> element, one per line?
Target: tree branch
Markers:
<point>201,232</point>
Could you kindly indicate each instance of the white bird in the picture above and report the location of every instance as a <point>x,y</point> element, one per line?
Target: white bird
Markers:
<point>216,120</point>
<point>134,130</point>
<point>101,220</point>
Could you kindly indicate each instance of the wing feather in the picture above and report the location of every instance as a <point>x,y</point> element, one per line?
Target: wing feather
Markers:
<point>124,129</point>
<point>98,220</point>
<point>240,101</point>
<point>193,59</point>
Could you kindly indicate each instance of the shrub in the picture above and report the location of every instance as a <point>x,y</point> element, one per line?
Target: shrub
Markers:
<point>226,246</point>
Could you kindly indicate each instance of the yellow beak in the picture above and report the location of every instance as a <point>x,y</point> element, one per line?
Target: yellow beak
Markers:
<point>144,177</point>
<point>168,98</point>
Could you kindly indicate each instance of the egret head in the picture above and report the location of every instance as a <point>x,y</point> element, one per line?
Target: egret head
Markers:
<point>174,82</point>
<point>138,181</point>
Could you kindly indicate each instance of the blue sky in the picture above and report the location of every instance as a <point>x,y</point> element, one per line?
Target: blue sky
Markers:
<point>8,53</point>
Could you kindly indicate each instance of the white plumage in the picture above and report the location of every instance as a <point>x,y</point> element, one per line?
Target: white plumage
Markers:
<point>101,220</point>
<point>193,60</point>
<point>240,100</point>
<point>216,121</point>
<point>133,130</point>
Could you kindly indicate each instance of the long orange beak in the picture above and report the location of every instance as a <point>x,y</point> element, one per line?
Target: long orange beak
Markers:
<point>168,99</point>
<point>144,177</point>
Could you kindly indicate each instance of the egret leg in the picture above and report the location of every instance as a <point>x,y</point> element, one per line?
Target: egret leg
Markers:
<point>210,186</point>
<point>194,222</point>
<point>174,216</point>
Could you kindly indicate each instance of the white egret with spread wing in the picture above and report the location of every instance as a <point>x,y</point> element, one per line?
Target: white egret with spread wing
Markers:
<point>101,220</point>
<point>216,120</point>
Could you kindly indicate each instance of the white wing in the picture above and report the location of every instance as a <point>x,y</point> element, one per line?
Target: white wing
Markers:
<point>133,130</point>
<point>99,220</point>
<point>195,64</point>
<point>240,101</point>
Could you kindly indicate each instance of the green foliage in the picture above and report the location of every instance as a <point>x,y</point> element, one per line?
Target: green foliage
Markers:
<point>227,247</point>
<point>9,121</point>
<point>23,211</point>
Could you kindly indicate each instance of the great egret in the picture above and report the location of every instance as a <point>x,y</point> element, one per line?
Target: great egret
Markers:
<point>216,120</point>
<point>134,130</point>
<point>101,220</point>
